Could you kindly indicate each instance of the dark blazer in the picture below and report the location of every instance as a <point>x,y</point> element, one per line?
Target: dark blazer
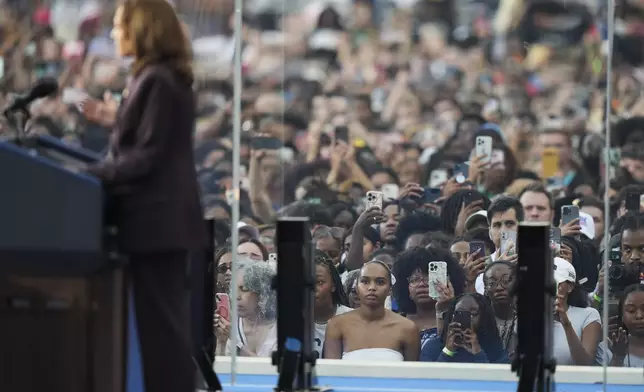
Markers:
<point>149,169</point>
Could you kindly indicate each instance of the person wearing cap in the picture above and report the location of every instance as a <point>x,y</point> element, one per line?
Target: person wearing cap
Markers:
<point>577,328</point>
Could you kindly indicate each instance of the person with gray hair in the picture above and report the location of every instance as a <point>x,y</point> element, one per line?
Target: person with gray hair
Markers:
<point>257,312</point>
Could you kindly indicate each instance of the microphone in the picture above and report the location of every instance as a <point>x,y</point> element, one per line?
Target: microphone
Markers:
<point>43,88</point>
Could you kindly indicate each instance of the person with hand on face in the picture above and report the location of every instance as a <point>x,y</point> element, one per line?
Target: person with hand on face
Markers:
<point>470,334</point>
<point>577,329</point>
<point>499,277</point>
<point>372,332</point>
<point>374,216</point>
<point>472,263</point>
<point>627,343</point>
<point>504,214</point>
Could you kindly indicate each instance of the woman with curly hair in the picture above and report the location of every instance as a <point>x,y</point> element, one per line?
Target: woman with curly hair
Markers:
<point>411,290</point>
<point>257,311</point>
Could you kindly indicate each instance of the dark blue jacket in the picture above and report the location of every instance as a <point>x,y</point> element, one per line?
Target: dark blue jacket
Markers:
<point>433,352</point>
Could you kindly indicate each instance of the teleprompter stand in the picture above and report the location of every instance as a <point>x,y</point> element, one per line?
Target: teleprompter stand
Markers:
<point>535,290</point>
<point>295,284</point>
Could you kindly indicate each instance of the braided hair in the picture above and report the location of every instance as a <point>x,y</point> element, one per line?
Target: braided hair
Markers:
<point>338,296</point>
<point>452,207</point>
<point>508,330</point>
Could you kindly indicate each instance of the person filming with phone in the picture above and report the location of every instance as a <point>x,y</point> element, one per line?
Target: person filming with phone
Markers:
<point>257,310</point>
<point>470,334</point>
<point>503,216</point>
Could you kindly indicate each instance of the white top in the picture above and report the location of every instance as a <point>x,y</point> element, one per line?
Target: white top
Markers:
<point>265,350</point>
<point>374,354</point>
<point>580,319</point>
<point>320,330</point>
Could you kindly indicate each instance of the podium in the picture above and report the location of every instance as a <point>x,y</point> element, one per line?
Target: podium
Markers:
<point>63,302</point>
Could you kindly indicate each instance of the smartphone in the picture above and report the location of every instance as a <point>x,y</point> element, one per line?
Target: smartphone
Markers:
<point>374,199</point>
<point>508,240</point>
<point>461,172</point>
<point>463,317</point>
<point>437,274</point>
<point>632,202</point>
<point>437,178</point>
<point>430,195</point>
<point>223,306</point>
<point>390,191</point>
<point>342,134</point>
<point>272,260</point>
<point>265,143</point>
<point>569,213</point>
<point>555,240</point>
<point>477,246</point>
<point>549,162</point>
<point>483,147</point>
<point>470,197</point>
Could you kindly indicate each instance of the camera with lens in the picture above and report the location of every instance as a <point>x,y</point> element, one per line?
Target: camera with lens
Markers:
<point>622,275</point>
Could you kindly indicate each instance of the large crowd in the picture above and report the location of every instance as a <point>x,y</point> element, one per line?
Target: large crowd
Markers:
<point>372,119</point>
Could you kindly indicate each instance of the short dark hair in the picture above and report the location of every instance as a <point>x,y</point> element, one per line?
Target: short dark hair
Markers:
<point>538,187</point>
<point>591,201</point>
<point>633,221</point>
<point>503,204</point>
<point>632,188</point>
<point>387,170</point>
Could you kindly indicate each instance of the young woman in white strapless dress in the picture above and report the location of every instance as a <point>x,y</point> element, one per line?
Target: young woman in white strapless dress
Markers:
<point>372,332</point>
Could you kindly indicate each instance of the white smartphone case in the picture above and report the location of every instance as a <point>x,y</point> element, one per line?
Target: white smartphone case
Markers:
<point>374,199</point>
<point>437,274</point>
<point>483,147</point>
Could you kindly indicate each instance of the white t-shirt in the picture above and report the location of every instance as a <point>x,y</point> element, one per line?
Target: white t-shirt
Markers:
<point>580,319</point>
<point>320,330</point>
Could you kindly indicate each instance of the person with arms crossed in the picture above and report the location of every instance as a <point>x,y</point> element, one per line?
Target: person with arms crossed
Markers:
<point>150,174</point>
<point>372,332</point>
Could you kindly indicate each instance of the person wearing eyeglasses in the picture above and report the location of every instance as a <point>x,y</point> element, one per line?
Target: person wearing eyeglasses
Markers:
<point>498,279</point>
<point>223,261</point>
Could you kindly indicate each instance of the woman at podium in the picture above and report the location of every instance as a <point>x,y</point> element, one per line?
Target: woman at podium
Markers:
<point>149,170</point>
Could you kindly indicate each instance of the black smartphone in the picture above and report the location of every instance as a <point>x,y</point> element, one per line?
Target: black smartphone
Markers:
<point>461,171</point>
<point>477,246</point>
<point>342,134</point>
<point>555,235</point>
<point>265,143</point>
<point>569,213</point>
<point>431,194</point>
<point>470,197</point>
<point>632,202</point>
<point>463,317</point>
